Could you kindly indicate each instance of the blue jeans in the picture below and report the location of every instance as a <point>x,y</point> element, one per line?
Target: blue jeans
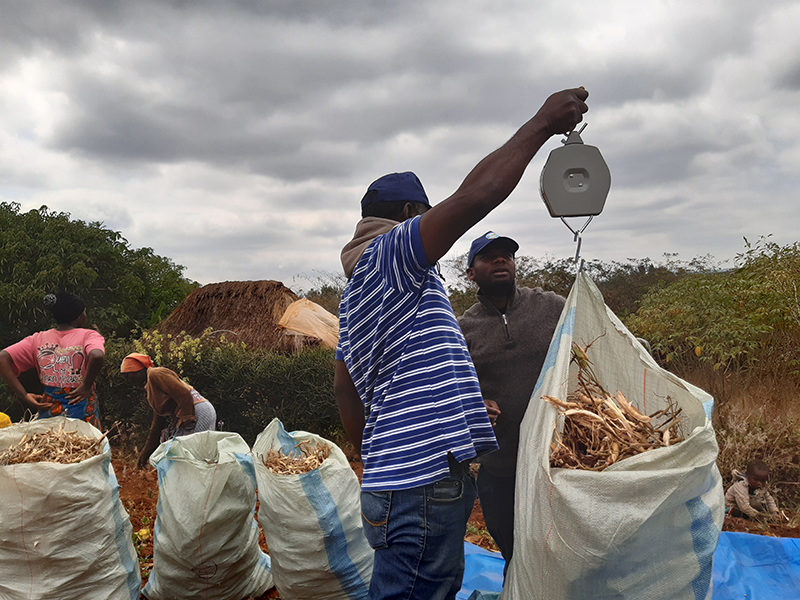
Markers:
<point>418,537</point>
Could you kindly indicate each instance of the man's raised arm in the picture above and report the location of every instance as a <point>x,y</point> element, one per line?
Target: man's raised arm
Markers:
<point>496,176</point>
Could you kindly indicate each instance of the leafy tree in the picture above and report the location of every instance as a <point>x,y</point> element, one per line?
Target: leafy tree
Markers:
<point>742,319</point>
<point>43,251</point>
<point>622,284</point>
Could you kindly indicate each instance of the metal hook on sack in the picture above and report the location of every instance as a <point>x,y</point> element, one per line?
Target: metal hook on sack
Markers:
<point>577,236</point>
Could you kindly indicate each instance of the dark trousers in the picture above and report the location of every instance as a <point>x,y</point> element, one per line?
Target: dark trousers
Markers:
<point>497,503</point>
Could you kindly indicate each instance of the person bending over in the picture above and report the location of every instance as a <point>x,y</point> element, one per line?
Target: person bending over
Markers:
<point>178,409</point>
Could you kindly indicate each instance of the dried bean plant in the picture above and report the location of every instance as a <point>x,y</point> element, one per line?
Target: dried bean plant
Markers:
<point>55,445</point>
<point>310,456</point>
<point>601,429</point>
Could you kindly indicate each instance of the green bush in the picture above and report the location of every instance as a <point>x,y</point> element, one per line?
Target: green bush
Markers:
<point>248,388</point>
<point>746,319</point>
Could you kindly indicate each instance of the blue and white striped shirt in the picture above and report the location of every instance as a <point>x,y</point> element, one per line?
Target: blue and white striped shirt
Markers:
<point>409,362</point>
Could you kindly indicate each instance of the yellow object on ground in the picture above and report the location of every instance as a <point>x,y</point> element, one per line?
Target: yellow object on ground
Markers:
<point>5,421</point>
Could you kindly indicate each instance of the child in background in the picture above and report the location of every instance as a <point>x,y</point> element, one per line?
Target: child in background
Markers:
<point>749,497</point>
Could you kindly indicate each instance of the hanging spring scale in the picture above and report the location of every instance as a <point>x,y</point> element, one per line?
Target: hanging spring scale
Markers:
<point>575,182</point>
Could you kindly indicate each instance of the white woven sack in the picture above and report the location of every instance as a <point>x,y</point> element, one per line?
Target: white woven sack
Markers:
<point>64,532</point>
<point>312,522</point>
<point>205,541</point>
<point>644,528</point>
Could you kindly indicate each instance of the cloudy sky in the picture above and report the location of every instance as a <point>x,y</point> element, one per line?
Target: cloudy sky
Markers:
<point>238,137</point>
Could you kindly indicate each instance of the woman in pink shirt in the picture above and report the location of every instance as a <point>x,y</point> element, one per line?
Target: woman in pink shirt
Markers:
<point>67,360</point>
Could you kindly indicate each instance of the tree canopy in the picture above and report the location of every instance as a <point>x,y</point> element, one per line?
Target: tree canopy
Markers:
<point>43,251</point>
<point>623,284</point>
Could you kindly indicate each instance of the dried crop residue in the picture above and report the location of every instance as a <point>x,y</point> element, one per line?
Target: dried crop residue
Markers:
<point>306,456</point>
<point>54,445</point>
<point>784,528</point>
<point>601,429</point>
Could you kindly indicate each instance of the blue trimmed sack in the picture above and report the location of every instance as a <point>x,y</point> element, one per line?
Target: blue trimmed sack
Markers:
<point>64,532</point>
<point>205,540</point>
<point>645,527</point>
<point>312,522</point>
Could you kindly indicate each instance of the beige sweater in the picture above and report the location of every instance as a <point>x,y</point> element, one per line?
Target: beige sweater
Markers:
<point>755,503</point>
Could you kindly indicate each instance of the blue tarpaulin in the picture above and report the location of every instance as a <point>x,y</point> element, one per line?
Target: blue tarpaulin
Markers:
<point>756,567</point>
<point>746,566</point>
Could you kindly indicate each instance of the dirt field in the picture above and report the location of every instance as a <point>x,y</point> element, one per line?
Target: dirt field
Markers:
<point>139,494</point>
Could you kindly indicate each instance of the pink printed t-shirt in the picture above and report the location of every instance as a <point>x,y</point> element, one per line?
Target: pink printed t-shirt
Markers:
<point>60,357</point>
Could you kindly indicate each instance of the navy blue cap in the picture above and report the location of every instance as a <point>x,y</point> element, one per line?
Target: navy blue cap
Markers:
<point>396,187</point>
<point>490,237</point>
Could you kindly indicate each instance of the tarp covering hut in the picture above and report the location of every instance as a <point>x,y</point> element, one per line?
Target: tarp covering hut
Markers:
<point>304,317</point>
<point>244,311</point>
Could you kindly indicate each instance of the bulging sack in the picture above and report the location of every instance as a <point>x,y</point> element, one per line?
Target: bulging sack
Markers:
<point>64,532</point>
<point>646,526</point>
<point>312,521</point>
<point>205,542</point>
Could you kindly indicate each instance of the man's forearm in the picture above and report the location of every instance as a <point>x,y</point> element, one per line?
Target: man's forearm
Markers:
<point>351,409</point>
<point>495,177</point>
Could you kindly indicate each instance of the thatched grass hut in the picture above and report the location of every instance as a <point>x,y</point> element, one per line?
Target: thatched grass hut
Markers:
<point>244,311</point>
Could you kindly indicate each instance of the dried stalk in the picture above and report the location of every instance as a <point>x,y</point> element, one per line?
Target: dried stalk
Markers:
<point>310,456</point>
<point>55,445</point>
<point>601,429</point>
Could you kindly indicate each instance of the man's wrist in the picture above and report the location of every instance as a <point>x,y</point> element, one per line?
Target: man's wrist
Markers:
<point>536,132</point>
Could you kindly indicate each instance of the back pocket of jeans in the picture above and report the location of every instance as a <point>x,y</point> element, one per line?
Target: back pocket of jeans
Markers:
<point>375,517</point>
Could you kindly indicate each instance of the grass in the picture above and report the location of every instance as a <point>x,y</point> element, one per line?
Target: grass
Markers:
<point>745,433</point>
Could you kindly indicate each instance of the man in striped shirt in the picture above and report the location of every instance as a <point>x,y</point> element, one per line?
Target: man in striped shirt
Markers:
<point>405,385</point>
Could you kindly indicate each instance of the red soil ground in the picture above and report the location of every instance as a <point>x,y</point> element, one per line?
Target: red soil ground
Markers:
<point>139,494</point>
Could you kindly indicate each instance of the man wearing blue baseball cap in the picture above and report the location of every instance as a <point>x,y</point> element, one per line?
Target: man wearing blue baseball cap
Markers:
<point>508,333</point>
<point>405,386</point>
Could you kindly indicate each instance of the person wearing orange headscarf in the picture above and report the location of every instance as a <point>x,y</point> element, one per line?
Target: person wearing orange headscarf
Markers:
<point>178,409</point>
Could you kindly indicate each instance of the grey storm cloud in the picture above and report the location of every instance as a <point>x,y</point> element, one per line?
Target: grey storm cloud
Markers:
<point>260,106</point>
<point>237,137</point>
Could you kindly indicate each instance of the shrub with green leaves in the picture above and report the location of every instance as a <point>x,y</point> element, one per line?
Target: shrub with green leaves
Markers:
<point>747,318</point>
